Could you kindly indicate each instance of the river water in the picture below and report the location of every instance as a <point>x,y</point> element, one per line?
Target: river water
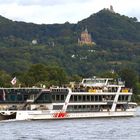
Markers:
<point>121,128</point>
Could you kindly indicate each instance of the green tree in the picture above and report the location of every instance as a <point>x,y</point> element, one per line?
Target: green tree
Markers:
<point>129,76</point>
<point>75,78</point>
<point>38,71</point>
<point>5,79</point>
<point>39,74</point>
<point>58,74</point>
<point>109,74</point>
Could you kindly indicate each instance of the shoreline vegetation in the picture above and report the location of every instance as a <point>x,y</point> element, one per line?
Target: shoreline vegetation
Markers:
<point>42,75</point>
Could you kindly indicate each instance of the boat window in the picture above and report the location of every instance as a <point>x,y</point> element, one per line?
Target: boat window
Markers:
<point>92,81</point>
<point>88,98</point>
<point>96,98</point>
<point>70,108</point>
<point>123,98</point>
<point>57,107</point>
<point>25,97</point>
<point>57,97</point>
<point>85,81</point>
<point>92,98</point>
<point>75,106</point>
<point>13,97</point>
<point>1,97</point>
<point>62,97</point>
<point>79,106</point>
<point>75,98</point>
<point>71,98</point>
<point>112,97</point>
<point>84,98</point>
<point>53,97</point>
<point>80,98</point>
<point>46,97</point>
<point>65,96</point>
<point>84,106</point>
<point>126,98</point>
<point>100,81</point>
<point>100,98</point>
<point>41,98</point>
<point>19,97</point>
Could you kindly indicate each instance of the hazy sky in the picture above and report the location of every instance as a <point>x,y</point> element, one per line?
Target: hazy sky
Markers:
<point>60,11</point>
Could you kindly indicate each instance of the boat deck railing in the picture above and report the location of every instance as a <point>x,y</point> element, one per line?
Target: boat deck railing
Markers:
<point>123,90</point>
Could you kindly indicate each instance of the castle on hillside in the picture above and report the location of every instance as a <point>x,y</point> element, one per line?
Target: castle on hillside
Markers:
<point>85,39</point>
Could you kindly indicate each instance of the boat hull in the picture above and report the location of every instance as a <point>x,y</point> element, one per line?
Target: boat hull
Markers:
<point>45,115</point>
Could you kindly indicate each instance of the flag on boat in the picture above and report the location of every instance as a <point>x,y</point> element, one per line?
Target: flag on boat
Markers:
<point>14,80</point>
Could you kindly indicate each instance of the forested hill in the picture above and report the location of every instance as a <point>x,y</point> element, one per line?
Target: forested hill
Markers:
<point>117,46</point>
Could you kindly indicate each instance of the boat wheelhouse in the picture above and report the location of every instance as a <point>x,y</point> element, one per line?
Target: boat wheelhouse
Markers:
<point>100,82</point>
<point>98,97</point>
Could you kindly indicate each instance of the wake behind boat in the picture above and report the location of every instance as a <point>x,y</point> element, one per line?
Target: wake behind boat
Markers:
<point>93,97</point>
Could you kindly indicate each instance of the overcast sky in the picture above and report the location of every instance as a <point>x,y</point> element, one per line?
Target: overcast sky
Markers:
<point>60,11</point>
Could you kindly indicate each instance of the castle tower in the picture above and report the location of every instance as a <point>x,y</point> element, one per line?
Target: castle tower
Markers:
<point>111,9</point>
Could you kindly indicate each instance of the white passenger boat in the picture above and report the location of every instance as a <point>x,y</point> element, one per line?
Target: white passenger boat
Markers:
<point>94,97</point>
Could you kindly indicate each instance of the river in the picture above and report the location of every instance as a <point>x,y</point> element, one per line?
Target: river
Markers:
<point>121,128</point>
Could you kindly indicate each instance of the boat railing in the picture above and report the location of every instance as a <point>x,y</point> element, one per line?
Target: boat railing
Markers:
<point>58,89</point>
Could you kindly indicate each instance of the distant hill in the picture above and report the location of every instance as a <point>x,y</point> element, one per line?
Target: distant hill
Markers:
<point>117,40</point>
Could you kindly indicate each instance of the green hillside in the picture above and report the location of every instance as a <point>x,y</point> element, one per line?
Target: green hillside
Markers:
<point>117,46</point>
